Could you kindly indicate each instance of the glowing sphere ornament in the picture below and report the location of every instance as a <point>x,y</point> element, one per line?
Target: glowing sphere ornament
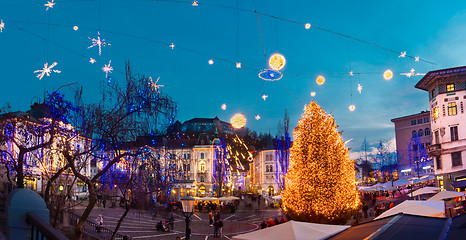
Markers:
<point>307,25</point>
<point>224,107</point>
<point>238,121</point>
<point>387,75</point>
<point>211,61</point>
<point>75,28</point>
<point>313,94</point>
<point>352,108</point>
<point>320,80</point>
<point>270,75</point>
<point>277,61</point>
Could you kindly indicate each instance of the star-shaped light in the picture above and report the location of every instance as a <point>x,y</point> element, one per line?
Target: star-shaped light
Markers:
<point>264,97</point>
<point>92,60</point>
<point>49,5</point>
<point>154,85</point>
<point>411,73</point>
<point>313,94</point>
<point>258,117</point>
<point>224,106</point>
<point>238,65</point>
<point>351,73</point>
<point>359,88</point>
<point>97,42</point>
<point>46,70</point>
<point>2,25</point>
<point>194,3</point>
<point>403,54</point>
<point>107,68</point>
<point>416,59</point>
<point>172,46</point>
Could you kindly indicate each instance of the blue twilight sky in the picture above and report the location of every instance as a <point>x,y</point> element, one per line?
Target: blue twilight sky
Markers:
<point>141,30</point>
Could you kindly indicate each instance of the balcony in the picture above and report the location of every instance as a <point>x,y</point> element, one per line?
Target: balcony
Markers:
<point>435,150</point>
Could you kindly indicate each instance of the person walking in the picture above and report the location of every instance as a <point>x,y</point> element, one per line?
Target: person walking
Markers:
<point>100,222</point>
<point>215,228</point>
<point>220,227</point>
<point>211,218</point>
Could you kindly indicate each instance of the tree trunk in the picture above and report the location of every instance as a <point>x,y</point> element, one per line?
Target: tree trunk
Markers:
<point>127,208</point>
<point>78,231</point>
<point>19,170</point>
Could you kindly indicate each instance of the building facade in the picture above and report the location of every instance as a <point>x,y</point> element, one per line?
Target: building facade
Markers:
<point>413,136</point>
<point>447,96</point>
<point>263,173</point>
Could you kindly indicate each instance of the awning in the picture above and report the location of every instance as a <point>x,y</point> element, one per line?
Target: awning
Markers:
<point>459,184</point>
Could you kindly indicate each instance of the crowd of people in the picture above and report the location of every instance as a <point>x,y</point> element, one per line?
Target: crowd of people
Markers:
<point>216,222</point>
<point>271,222</point>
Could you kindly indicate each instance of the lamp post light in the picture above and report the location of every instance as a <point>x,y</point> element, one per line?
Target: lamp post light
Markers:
<point>188,209</point>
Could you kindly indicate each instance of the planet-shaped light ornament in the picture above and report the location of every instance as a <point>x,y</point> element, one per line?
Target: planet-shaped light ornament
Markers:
<point>270,75</point>
<point>320,80</point>
<point>277,61</point>
<point>388,74</point>
<point>238,121</point>
<point>352,108</point>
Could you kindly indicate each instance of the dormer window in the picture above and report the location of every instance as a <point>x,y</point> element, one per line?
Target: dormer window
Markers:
<point>450,87</point>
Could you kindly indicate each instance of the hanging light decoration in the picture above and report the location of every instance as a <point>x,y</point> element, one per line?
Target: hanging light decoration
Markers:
<point>307,25</point>
<point>277,61</point>
<point>320,80</point>
<point>238,121</point>
<point>352,108</point>
<point>388,74</point>
<point>313,94</point>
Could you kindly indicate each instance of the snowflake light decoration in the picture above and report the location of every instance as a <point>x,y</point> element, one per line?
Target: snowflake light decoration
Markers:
<point>98,42</point>
<point>2,25</point>
<point>265,97</point>
<point>416,59</point>
<point>258,117</point>
<point>403,54</point>
<point>351,73</point>
<point>313,94</point>
<point>359,88</point>
<point>92,60</point>
<point>224,107</point>
<point>238,65</point>
<point>172,46</point>
<point>49,5</point>
<point>194,3</point>
<point>46,70</point>
<point>411,73</point>
<point>107,68</point>
<point>154,85</point>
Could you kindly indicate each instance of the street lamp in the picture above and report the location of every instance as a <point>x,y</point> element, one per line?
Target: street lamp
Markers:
<point>188,209</point>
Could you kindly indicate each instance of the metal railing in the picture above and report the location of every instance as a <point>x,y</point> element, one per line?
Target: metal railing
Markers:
<point>41,229</point>
<point>92,229</point>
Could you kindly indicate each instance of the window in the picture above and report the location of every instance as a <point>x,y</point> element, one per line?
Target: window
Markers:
<point>456,159</point>
<point>452,109</point>
<point>427,132</point>
<point>414,133</point>
<point>413,122</point>
<point>188,167</point>
<point>450,87</point>
<point>202,155</point>
<point>432,94</point>
<point>202,167</point>
<point>438,161</point>
<point>435,113</point>
<point>437,140</point>
<point>201,179</point>
<point>420,132</point>
<point>454,133</point>
<point>271,168</point>
<point>266,168</point>
<point>266,158</point>
<point>419,121</point>
<point>426,120</point>
<point>443,108</point>
<point>461,104</point>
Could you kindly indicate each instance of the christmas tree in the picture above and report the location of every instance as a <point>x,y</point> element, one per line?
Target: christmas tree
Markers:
<point>320,183</point>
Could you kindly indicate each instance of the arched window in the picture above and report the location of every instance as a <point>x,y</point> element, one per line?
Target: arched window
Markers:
<point>202,167</point>
<point>427,132</point>
<point>266,158</point>
<point>201,179</point>
<point>420,132</point>
<point>414,133</point>
<point>266,168</point>
<point>271,168</point>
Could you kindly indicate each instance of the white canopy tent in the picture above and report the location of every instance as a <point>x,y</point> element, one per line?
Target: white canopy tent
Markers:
<point>277,197</point>
<point>293,230</point>
<point>420,208</point>
<point>401,182</point>
<point>445,195</point>
<point>425,190</point>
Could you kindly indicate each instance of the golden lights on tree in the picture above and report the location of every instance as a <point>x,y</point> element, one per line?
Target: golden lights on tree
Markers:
<point>238,121</point>
<point>320,183</point>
